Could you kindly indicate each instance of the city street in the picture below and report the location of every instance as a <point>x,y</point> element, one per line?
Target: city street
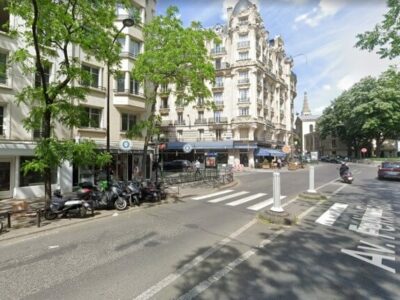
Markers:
<point>211,246</point>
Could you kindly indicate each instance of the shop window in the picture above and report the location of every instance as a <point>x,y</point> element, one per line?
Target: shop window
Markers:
<point>128,122</point>
<point>33,178</point>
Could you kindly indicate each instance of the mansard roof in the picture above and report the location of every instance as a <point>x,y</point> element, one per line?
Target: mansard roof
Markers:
<point>241,6</point>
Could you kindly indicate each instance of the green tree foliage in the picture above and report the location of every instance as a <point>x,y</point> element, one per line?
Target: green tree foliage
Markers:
<point>384,35</point>
<point>369,110</point>
<point>52,31</point>
<point>173,56</point>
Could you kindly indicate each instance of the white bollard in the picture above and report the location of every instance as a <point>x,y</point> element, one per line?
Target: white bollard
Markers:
<point>311,188</point>
<point>277,193</point>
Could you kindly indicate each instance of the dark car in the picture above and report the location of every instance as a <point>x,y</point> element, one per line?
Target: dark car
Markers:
<point>389,170</point>
<point>178,165</point>
<point>335,161</point>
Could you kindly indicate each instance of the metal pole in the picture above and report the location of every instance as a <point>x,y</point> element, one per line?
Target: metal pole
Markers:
<point>277,193</point>
<point>311,188</point>
<point>108,123</point>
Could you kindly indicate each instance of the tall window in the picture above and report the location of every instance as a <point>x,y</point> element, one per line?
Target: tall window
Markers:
<point>164,103</point>
<point>243,111</point>
<point>121,83</point>
<point>179,135</point>
<point>128,122</point>
<point>93,117</point>
<point>180,118</point>
<point>121,41</point>
<point>218,134</point>
<point>218,64</point>
<point>243,37</point>
<point>201,134</point>
<point>4,17</point>
<point>218,98</point>
<point>38,132</point>
<point>134,87</point>
<point>217,116</point>
<point>3,68</point>
<point>219,81</point>
<point>200,115</point>
<point>243,55</point>
<point>311,128</point>
<point>134,47</point>
<point>93,76</point>
<point>243,95</point>
<point>1,120</point>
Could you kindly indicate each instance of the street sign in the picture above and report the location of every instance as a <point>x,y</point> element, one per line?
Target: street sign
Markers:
<point>125,145</point>
<point>286,149</point>
<point>364,150</point>
<point>187,148</point>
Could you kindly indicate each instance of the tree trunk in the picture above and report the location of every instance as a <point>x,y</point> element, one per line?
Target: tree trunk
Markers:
<point>47,187</point>
<point>378,150</point>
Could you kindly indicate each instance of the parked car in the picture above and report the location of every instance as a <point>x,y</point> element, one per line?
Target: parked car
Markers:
<point>324,158</point>
<point>335,161</point>
<point>389,170</point>
<point>178,165</point>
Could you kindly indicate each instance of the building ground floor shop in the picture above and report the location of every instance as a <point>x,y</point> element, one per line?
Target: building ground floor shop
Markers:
<point>226,152</point>
<point>15,183</point>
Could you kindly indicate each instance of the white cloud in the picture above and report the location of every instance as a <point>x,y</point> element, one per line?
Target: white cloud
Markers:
<point>346,82</point>
<point>326,87</point>
<point>325,9</point>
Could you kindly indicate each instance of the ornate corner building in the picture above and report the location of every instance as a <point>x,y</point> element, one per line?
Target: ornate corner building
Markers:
<point>253,93</point>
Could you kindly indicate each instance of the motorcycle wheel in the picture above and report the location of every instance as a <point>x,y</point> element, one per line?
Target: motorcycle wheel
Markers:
<point>82,212</point>
<point>50,215</point>
<point>120,203</point>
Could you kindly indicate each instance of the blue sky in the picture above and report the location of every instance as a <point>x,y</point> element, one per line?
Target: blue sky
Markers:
<point>319,34</point>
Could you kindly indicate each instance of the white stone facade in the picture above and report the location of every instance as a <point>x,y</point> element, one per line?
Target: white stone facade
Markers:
<point>254,92</point>
<point>126,98</point>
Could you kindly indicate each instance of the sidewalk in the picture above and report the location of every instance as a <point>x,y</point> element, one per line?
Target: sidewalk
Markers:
<point>25,225</point>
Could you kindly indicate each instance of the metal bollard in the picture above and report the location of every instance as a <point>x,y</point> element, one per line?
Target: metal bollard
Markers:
<point>277,193</point>
<point>8,219</point>
<point>38,217</point>
<point>92,207</point>
<point>311,188</point>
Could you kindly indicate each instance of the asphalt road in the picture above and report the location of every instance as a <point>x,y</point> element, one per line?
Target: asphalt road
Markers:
<point>205,250</point>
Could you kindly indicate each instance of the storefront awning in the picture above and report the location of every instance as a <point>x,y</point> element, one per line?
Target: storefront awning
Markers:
<point>202,145</point>
<point>269,152</point>
<point>241,145</point>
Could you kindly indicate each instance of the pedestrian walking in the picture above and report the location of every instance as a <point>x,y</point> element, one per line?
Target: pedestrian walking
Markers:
<point>279,162</point>
<point>197,167</point>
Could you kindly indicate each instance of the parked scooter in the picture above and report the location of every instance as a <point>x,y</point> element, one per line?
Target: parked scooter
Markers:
<point>131,192</point>
<point>149,191</point>
<point>104,198</point>
<point>347,177</point>
<point>66,206</point>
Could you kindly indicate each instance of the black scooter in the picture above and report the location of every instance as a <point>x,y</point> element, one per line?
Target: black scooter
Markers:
<point>65,206</point>
<point>131,193</point>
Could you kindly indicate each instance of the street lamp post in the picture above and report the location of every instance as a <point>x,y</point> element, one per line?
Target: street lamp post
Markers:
<point>126,23</point>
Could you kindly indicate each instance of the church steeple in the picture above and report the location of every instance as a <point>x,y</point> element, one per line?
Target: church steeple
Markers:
<point>306,109</point>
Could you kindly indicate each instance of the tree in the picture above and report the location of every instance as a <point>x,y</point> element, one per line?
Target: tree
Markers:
<point>173,56</point>
<point>384,35</point>
<point>369,111</point>
<point>51,30</point>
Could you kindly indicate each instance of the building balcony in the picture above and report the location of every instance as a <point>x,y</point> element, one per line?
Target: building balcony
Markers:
<point>164,93</point>
<point>244,100</point>
<point>129,55</point>
<point>164,110</point>
<point>217,120</point>
<point>244,81</point>
<point>219,105</point>
<point>218,86</point>
<point>180,123</point>
<point>222,66</point>
<point>243,44</point>
<point>127,99</point>
<point>165,123</point>
<point>179,108</point>
<point>218,51</point>
<point>200,121</point>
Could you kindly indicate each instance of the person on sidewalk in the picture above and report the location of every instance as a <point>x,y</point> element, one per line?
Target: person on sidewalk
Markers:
<point>279,163</point>
<point>197,167</point>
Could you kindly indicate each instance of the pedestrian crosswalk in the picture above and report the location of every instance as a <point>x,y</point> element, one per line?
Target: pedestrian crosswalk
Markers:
<point>238,198</point>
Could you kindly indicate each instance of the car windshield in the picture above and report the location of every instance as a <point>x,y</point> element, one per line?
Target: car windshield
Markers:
<point>391,165</point>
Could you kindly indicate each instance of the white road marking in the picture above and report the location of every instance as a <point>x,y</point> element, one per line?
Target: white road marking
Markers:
<point>54,247</point>
<point>228,197</point>
<point>201,287</point>
<point>212,195</point>
<point>150,292</point>
<point>247,199</point>
<point>330,216</point>
<point>263,204</point>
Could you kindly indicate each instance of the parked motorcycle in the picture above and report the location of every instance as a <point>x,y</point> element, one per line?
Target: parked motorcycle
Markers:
<point>149,191</point>
<point>66,206</point>
<point>131,192</point>
<point>104,198</point>
<point>347,177</point>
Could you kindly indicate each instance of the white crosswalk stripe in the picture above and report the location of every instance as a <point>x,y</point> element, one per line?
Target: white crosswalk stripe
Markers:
<point>244,200</point>
<point>212,195</point>
<point>263,204</point>
<point>332,214</point>
<point>231,194</point>
<point>220,199</point>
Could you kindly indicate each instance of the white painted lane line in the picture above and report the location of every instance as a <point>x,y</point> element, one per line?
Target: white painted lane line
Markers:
<point>149,293</point>
<point>332,214</point>
<point>228,197</point>
<point>263,204</point>
<point>247,199</point>
<point>212,195</point>
<point>201,287</point>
